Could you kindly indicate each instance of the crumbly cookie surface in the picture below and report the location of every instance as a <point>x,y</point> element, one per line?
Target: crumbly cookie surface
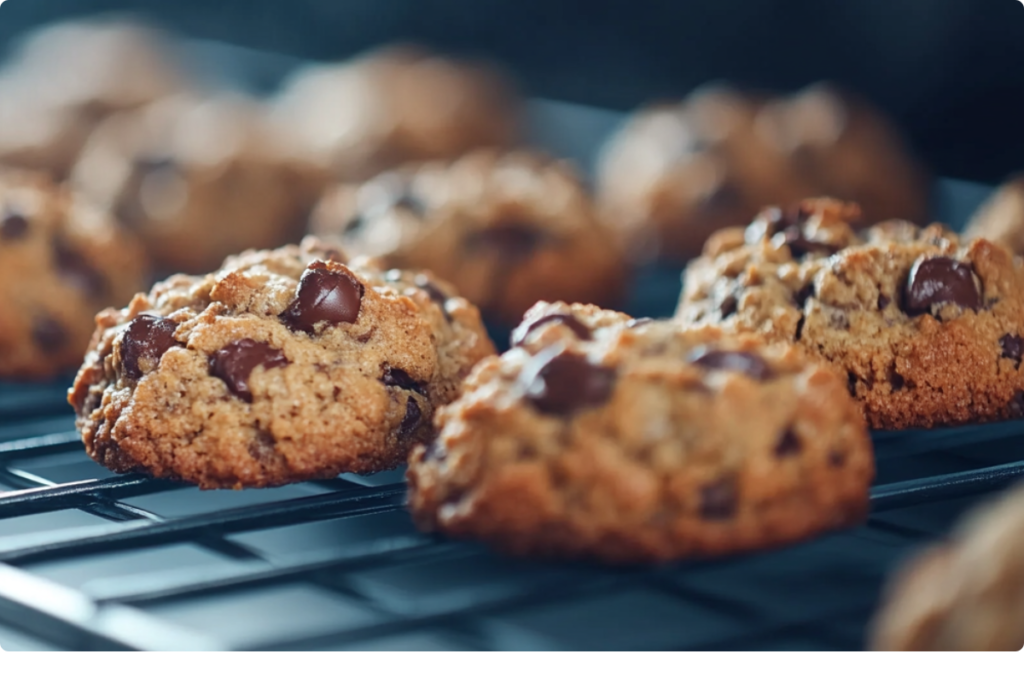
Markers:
<point>507,229</point>
<point>283,366</point>
<point>61,261</point>
<point>1001,218</point>
<point>964,595</point>
<point>597,436</point>
<point>926,328</point>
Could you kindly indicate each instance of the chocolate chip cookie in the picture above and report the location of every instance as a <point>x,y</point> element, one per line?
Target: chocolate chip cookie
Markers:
<point>283,366</point>
<point>394,105</point>
<point>1001,218</point>
<point>927,328</point>
<point>199,178</point>
<point>964,595</point>
<point>507,229</point>
<point>676,172</point>
<point>597,436</point>
<point>61,261</point>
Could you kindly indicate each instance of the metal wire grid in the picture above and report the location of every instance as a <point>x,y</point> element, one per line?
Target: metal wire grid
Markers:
<point>344,589</point>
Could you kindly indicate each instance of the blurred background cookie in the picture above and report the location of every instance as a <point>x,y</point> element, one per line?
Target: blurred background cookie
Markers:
<point>1001,218</point>
<point>199,178</point>
<point>507,229</point>
<point>61,262</point>
<point>396,104</point>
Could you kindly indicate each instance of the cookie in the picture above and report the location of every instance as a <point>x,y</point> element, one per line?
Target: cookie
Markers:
<point>926,328</point>
<point>600,437</point>
<point>283,366</point>
<point>1000,218</point>
<point>199,178</point>
<point>966,594</point>
<point>395,105</point>
<point>65,78</point>
<point>675,172</point>
<point>507,229</point>
<point>61,261</point>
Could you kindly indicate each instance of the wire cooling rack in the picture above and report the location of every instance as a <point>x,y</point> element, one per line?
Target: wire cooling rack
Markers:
<point>95,561</point>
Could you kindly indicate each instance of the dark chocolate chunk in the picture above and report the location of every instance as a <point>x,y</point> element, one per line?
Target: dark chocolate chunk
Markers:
<point>395,377</point>
<point>512,242</point>
<point>803,294</point>
<point>567,383</point>
<point>149,337</point>
<point>570,321</point>
<point>851,383</point>
<point>788,445</point>
<point>48,334</point>
<point>1013,346</point>
<point>323,295</point>
<point>76,271</point>
<point>718,499</point>
<point>883,302</point>
<point>940,280</point>
<point>897,381</point>
<point>800,245</point>
<point>236,361</point>
<point>749,364</point>
<point>13,225</point>
<point>412,418</point>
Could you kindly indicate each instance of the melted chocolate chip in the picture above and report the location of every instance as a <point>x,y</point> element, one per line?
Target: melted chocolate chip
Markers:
<point>731,361</point>
<point>395,377</point>
<point>800,245</point>
<point>236,361</point>
<point>788,445</point>
<point>1013,347</point>
<point>412,418</point>
<point>13,225</point>
<point>579,329</point>
<point>48,334</point>
<point>568,383</point>
<point>75,270</point>
<point>146,337</point>
<point>323,296</point>
<point>728,306</point>
<point>897,381</point>
<point>883,302</point>
<point>718,499</point>
<point>940,280</point>
<point>803,294</point>
<point>512,242</point>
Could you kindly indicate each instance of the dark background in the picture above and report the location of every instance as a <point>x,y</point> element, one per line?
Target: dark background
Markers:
<point>951,72</point>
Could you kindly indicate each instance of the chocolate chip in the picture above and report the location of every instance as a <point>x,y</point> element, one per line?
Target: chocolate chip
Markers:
<point>395,377</point>
<point>775,220</point>
<point>836,459</point>
<point>146,337</point>
<point>411,421</point>
<point>883,302</point>
<point>638,322</point>
<point>896,380</point>
<point>803,294</point>
<point>48,334</point>
<point>749,364</point>
<point>851,383</point>
<point>76,271</point>
<point>1013,346</point>
<point>323,296</point>
<point>511,242</point>
<point>940,280</point>
<point>800,328</point>
<point>568,383</point>
<point>788,445</point>
<point>434,292</point>
<point>728,306</point>
<point>262,448</point>
<point>718,499</point>
<point>800,245</point>
<point>236,361</point>
<point>579,329</point>
<point>13,225</point>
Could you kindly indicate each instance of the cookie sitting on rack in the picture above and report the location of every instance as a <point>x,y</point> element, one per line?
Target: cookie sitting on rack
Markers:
<point>927,329</point>
<point>599,436</point>
<point>964,595</point>
<point>283,366</point>
<point>507,229</point>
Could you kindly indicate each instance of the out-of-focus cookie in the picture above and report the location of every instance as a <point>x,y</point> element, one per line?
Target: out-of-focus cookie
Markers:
<point>283,366</point>
<point>507,229</point>
<point>199,178</point>
<point>1001,218</point>
<point>927,328</point>
<point>61,262</point>
<point>966,594</point>
<point>395,105</point>
<point>630,441</point>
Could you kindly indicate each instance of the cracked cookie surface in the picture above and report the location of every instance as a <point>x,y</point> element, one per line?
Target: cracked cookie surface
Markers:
<point>597,436</point>
<point>926,328</point>
<point>283,366</point>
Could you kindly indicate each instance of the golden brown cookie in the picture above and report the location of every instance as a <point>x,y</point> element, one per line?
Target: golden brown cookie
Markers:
<point>927,328</point>
<point>282,366</point>
<point>597,436</point>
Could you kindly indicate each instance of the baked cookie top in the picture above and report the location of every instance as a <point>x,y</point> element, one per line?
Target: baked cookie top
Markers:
<point>603,437</point>
<point>282,366</point>
<point>926,327</point>
<point>61,261</point>
<point>966,594</point>
<point>508,229</point>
